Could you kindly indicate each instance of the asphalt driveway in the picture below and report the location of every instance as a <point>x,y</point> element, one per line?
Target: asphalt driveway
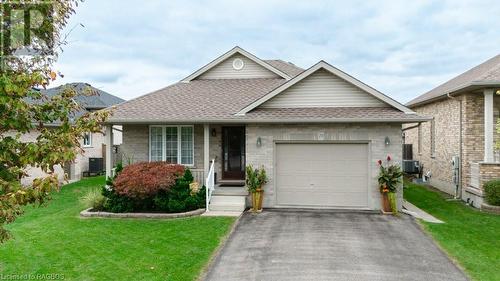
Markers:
<point>310,245</point>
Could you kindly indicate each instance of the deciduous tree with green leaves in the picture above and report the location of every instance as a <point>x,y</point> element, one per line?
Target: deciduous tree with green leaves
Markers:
<point>59,121</point>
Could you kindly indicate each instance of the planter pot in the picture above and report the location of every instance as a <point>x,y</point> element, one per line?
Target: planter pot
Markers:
<point>257,200</point>
<point>386,204</point>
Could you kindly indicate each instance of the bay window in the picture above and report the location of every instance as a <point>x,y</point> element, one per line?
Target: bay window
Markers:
<point>174,144</point>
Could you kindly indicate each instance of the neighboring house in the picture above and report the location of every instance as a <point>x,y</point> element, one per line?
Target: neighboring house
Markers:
<point>318,132</point>
<point>91,143</point>
<point>465,111</point>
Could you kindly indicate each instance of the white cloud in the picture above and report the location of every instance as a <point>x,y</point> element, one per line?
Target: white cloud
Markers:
<point>403,48</point>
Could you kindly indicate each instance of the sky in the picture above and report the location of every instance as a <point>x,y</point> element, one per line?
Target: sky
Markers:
<point>401,48</point>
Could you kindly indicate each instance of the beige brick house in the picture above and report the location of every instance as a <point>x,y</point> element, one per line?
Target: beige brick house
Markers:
<point>465,111</point>
<point>91,143</point>
<point>318,132</point>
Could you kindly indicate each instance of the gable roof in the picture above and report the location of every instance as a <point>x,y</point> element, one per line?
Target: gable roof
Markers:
<point>485,74</point>
<point>230,53</point>
<point>195,101</point>
<point>335,71</point>
<point>99,100</point>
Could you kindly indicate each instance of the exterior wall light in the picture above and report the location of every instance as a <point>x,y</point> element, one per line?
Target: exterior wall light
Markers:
<point>387,141</point>
<point>259,142</point>
<point>214,132</point>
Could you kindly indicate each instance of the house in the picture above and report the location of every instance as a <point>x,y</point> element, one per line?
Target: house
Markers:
<point>465,111</point>
<point>318,132</point>
<point>92,144</point>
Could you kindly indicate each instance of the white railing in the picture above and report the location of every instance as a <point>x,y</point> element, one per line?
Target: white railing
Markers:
<point>198,175</point>
<point>210,183</point>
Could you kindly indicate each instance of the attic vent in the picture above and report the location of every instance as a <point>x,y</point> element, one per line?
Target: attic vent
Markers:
<point>238,64</point>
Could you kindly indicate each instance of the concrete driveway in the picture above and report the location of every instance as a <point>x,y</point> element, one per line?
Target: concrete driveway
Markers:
<point>312,245</point>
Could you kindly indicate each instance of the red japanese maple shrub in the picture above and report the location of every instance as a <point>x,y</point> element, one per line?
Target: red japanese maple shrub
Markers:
<point>145,179</point>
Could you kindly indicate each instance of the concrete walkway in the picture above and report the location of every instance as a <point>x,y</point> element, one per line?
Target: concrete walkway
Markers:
<point>310,245</point>
<point>419,213</point>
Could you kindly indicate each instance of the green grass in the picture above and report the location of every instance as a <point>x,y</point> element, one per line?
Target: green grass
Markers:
<point>55,240</point>
<point>469,236</point>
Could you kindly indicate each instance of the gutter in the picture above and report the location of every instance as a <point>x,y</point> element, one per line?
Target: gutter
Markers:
<point>455,91</point>
<point>268,121</point>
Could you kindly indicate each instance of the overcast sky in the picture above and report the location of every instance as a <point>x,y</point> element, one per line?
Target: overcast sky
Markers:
<point>402,48</point>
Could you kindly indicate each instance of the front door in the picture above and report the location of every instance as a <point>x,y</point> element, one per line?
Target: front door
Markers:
<point>233,153</point>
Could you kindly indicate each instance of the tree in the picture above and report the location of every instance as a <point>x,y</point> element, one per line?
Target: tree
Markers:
<point>24,109</point>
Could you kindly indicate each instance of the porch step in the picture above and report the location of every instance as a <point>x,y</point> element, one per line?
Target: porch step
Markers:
<point>230,191</point>
<point>222,214</point>
<point>231,183</point>
<point>232,203</point>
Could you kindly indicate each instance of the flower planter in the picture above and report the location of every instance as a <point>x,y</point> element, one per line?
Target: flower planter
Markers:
<point>257,200</point>
<point>386,204</point>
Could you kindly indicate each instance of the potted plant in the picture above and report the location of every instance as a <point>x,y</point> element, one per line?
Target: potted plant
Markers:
<point>388,179</point>
<point>255,179</point>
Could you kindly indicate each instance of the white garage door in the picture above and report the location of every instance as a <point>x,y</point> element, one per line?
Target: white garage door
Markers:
<point>322,175</point>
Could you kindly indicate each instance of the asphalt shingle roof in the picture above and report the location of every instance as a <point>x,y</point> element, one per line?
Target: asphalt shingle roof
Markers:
<point>330,114</point>
<point>487,72</point>
<point>286,67</point>
<point>219,100</point>
<point>99,100</point>
<point>196,100</point>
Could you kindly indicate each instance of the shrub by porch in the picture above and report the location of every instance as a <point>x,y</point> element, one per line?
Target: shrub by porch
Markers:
<point>151,187</point>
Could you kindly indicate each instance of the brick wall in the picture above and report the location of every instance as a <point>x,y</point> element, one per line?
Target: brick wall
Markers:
<point>446,114</point>
<point>447,119</point>
<point>375,133</point>
<point>135,145</point>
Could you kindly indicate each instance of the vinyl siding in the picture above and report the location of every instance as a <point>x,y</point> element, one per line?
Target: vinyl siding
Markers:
<point>323,89</point>
<point>225,70</point>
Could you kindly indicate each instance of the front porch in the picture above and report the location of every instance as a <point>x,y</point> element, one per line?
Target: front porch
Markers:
<point>481,155</point>
<point>215,154</point>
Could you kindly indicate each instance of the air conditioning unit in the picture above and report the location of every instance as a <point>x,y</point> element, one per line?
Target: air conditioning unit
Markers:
<point>96,166</point>
<point>411,167</point>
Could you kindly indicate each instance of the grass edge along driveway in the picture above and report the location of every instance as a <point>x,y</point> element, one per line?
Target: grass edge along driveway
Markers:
<point>55,240</point>
<point>469,236</point>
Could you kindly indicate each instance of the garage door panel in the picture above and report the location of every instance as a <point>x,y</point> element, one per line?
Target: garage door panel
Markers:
<point>326,199</point>
<point>322,175</point>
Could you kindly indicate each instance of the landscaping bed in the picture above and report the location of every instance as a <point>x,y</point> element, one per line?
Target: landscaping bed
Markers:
<point>146,188</point>
<point>90,213</point>
<point>469,236</point>
<point>55,240</point>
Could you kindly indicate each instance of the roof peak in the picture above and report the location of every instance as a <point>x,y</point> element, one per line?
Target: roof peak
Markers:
<point>230,53</point>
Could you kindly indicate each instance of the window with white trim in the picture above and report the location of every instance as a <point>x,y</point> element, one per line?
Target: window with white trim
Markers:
<point>87,139</point>
<point>174,144</point>
<point>156,141</point>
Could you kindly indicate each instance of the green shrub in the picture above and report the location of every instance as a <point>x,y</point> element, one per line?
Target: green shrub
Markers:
<point>117,203</point>
<point>177,198</point>
<point>492,192</point>
<point>94,199</point>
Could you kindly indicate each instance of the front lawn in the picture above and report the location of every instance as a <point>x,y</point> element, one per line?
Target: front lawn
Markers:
<point>55,240</point>
<point>469,236</point>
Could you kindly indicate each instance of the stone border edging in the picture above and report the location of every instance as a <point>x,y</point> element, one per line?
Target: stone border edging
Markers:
<point>490,208</point>
<point>88,214</point>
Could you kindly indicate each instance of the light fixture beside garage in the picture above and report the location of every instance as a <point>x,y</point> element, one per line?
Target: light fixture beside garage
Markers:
<point>387,141</point>
<point>259,142</point>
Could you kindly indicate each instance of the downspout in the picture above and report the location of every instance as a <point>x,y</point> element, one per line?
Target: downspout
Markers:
<point>458,194</point>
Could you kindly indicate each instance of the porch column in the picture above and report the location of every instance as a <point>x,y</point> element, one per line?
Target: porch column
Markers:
<point>206,147</point>
<point>109,149</point>
<point>488,125</point>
